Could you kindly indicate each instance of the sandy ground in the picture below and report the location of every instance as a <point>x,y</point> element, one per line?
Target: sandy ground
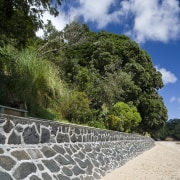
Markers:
<point>162,162</point>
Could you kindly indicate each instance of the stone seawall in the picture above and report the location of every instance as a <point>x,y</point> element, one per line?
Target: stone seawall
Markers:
<point>46,150</point>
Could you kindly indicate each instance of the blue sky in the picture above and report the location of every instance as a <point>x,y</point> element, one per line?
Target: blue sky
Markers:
<point>153,24</point>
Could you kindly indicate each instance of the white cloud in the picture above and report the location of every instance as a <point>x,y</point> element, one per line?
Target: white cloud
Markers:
<point>153,19</point>
<point>167,76</point>
<point>98,12</point>
<point>142,20</point>
<point>175,99</point>
<point>59,22</point>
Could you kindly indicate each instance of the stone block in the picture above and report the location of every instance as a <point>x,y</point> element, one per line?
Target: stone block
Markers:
<point>77,171</point>
<point>5,176</point>
<point>51,165</point>
<point>8,126</point>
<point>59,149</point>
<point>61,138</point>
<point>24,170</point>
<point>67,171</point>
<point>45,135</point>
<point>62,160</point>
<point>14,138</point>
<point>7,162</point>
<point>20,155</point>
<point>30,135</point>
<point>48,152</point>
<point>46,176</point>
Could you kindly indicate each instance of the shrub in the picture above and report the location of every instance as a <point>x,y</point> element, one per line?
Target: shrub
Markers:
<point>123,117</point>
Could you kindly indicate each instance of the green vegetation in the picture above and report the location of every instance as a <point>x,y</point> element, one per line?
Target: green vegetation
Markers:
<point>21,19</point>
<point>170,130</point>
<point>99,79</point>
<point>28,80</point>
<point>123,117</point>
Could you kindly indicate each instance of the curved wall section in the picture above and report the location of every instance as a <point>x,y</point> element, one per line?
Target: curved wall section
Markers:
<point>39,149</point>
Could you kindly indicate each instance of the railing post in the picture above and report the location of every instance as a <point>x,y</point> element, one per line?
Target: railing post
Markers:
<point>1,110</point>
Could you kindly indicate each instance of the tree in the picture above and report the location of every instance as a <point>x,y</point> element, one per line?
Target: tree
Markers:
<point>114,87</point>
<point>173,128</point>
<point>114,68</point>
<point>52,45</point>
<point>75,33</point>
<point>153,112</point>
<point>123,117</point>
<point>75,107</point>
<point>21,19</point>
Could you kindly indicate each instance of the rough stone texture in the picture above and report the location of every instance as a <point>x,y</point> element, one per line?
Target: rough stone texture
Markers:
<point>46,176</point>
<point>20,155</point>
<point>33,177</point>
<point>34,153</point>
<point>90,161</point>
<point>60,176</point>
<point>7,162</point>
<point>41,167</point>
<point>14,139</point>
<point>67,171</point>
<point>34,131</point>
<point>51,165</point>
<point>24,170</point>
<point>30,135</point>
<point>61,138</point>
<point>8,126</point>
<point>45,136</point>
<point>48,152</point>
<point>19,128</point>
<point>62,160</point>
<point>59,149</point>
<point>5,176</point>
<point>76,153</point>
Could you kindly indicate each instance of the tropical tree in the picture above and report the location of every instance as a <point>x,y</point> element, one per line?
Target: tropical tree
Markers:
<point>153,113</point>
<point>114,68</point>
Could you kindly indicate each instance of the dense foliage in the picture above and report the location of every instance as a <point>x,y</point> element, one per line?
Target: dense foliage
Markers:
<point>170,130</point>
<point>123,117</point>
<point>21,19</point>
<point>27,79</point>
<point>95,78</point>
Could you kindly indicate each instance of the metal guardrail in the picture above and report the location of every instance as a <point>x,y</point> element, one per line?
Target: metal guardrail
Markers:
<point>13,111</point>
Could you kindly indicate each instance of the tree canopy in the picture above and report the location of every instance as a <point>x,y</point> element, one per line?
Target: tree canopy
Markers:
<point>115,69</point>
<point>171,129</point>
<point>97,78</point>
<point>21,19</point>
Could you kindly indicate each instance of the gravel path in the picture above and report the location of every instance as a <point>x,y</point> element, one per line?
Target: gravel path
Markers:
<point>162,162</point>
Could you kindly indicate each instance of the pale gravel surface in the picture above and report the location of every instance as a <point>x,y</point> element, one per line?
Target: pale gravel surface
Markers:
<point>162,162</point>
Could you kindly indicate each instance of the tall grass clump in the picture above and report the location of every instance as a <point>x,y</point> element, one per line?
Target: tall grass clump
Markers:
<point>34,81</point>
